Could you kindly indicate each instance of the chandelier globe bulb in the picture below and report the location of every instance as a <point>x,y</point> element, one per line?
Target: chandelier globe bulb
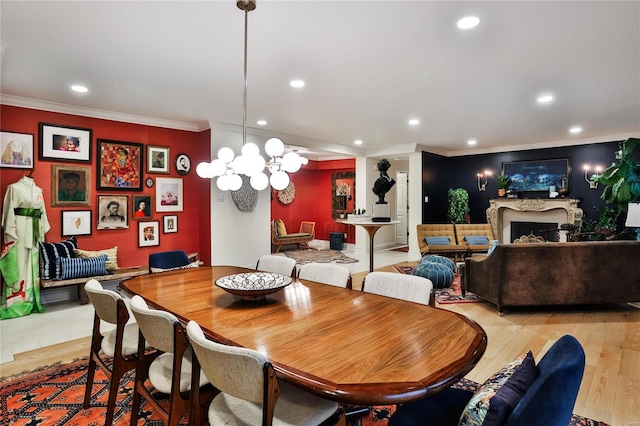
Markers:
<point>279,180</point>
<point>259,181</point>
<point>226,154</point>
<point>274,147</point>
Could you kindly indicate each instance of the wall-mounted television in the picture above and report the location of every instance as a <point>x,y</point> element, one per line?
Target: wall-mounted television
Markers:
<point>537,175</point>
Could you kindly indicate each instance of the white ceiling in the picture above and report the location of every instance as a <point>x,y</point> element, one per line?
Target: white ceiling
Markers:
<point>368,67</point>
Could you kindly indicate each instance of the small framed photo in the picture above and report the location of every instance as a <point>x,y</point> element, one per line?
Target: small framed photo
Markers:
<point>64,143</point>
<point>70,185</point>
<point>170,224</point>
<point>141,207</point>
<point>157,159</point>
<point>120,165</point>
<point>112,211</point>
<point>148,234</point>
<point>76,222</point>
<point>16,150</point>
<point>169,196</point>
<point>183,164</point>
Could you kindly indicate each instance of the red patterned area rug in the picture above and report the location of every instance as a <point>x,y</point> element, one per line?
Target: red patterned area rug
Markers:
<point>53,396</point>
<point>448,295</point>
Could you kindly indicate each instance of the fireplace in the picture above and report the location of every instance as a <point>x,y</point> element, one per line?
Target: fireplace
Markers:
<point>553,212</point>
<point>519,229</point>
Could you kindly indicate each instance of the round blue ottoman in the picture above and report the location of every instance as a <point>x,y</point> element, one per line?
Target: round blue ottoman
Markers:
<point>440,275</point>
<point>434,258</point>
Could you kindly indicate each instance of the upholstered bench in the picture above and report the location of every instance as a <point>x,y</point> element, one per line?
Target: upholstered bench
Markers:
<point>302,237</point>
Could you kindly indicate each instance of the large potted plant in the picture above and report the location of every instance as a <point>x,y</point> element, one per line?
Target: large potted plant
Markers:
<point>621,180</point>
<point>458,205</point>
<point>503,182</point>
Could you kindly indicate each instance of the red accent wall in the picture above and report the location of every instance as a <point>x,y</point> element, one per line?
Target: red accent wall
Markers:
<point>193,223</point>
<point>313,199</point>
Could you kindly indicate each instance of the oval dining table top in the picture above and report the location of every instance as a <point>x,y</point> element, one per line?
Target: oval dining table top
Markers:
<point>342,344</point>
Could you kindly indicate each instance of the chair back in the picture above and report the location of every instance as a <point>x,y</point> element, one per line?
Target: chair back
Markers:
<point>277,264</point>
<point>326,273</point>
<point>233,370</point>
<point>156,325</point>
<point>551,398</point>
<point>168,259</point>
<point>308,228</point>
<point>105,302</point>
<point>400,286</point>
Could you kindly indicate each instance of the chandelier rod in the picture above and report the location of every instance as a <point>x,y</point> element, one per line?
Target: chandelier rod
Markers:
<point>244,115</point>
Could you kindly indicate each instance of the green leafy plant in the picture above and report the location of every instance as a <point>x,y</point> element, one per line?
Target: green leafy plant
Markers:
<point>503,181</point>
<point>458,205</point>
<point>621,180</point>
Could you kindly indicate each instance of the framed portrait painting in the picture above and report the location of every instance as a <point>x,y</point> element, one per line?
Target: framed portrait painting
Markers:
<point>66,143</point>
<point>70,185</point>
<point>170,224</point>
<point>183,164</point>
<point>141,207</point>
<point>120,165</point>
<point>16,150</point>
<point>112,211</point>
<point>157,159</point>
<point>169,195</point>
<point>148,234</point>
<point>76,222</point>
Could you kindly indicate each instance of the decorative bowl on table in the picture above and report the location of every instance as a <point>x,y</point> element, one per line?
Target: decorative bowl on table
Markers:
<point>253,285</point>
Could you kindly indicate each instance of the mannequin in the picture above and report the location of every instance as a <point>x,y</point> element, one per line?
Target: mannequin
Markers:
<point>24,223</point>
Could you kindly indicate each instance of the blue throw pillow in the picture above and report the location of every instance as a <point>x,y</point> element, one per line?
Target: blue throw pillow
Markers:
<point>78,267</point>
<point>477,240</point>
<point>492,404</point>
<point>437,241</point>
<point>51,253</point>
<point>492,246</point>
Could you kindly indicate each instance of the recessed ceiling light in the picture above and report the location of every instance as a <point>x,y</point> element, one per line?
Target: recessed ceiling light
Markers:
<point>472,142</point>
<point>261,122</point>
<point>468,22</point>
<point>297,83</point>
<point>575,129</point>
<point>545,99</point>
<point>79,89</point>
<point>414,122</point>
<point>357,142</point>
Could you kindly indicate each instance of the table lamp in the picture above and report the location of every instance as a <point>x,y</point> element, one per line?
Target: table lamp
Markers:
<point>633,218</point>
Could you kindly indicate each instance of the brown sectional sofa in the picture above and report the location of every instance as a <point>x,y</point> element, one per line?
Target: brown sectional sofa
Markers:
<point>538,274</point>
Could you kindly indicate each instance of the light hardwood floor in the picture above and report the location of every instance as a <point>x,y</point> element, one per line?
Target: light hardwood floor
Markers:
<point>610,389</point>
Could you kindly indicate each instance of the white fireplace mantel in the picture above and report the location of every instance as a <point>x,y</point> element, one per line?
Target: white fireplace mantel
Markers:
<point>502,211</point>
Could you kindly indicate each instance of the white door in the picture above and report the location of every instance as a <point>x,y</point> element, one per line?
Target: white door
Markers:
<point>402,229</point>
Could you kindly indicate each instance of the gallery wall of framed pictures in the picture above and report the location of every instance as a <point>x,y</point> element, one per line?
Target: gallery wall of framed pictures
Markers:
<point>87,165</point>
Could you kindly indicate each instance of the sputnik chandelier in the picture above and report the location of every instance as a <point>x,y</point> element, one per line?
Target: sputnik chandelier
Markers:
<point>228,168</point>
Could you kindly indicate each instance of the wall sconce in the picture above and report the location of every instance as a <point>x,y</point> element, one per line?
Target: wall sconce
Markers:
<point>592,184</point>
<point>483,186</point>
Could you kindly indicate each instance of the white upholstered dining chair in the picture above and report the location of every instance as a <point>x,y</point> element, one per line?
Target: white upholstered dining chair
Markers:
<point>400,286</point>
<point>250,392</point>
<point>277,264</point>
<point>326,273</point>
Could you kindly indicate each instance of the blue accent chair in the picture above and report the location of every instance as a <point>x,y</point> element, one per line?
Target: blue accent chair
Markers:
<point>168,259</point>
<point>549,401</point>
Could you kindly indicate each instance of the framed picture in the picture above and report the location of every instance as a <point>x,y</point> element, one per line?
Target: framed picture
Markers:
<point>148,234</point>
<point>76,222</point>
<point>112,211</point>
<point>70,185</point>
<point>169,196</point>
<point>16,150</point>
<point>170,224</point>
<point>64,143</point>
<point>141,207</point>
<point>183,164</point>
<point>157,159</point>
<point>537,175</point>
<point>119,165</point>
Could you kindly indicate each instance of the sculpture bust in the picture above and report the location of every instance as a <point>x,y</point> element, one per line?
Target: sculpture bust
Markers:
<point>384,183</point>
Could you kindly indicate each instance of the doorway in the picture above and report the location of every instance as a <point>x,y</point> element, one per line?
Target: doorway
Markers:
<point>402,207</point>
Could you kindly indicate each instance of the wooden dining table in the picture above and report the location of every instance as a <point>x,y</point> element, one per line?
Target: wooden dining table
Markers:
<point>344,345</point>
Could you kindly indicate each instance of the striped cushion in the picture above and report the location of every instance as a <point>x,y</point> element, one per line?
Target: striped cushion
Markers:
<point>50,253</point>
<point>112,256</point>
<point>78,267</point>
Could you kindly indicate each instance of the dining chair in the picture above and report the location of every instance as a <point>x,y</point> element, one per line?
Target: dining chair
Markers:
<point>250,392</point>
<point>168,368</point>
<point>400,286</point>
<point>326,273</point>
<point>120,344</point>
<point>158,262</point>
<point>277,264</point>
<point>549,399</point>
